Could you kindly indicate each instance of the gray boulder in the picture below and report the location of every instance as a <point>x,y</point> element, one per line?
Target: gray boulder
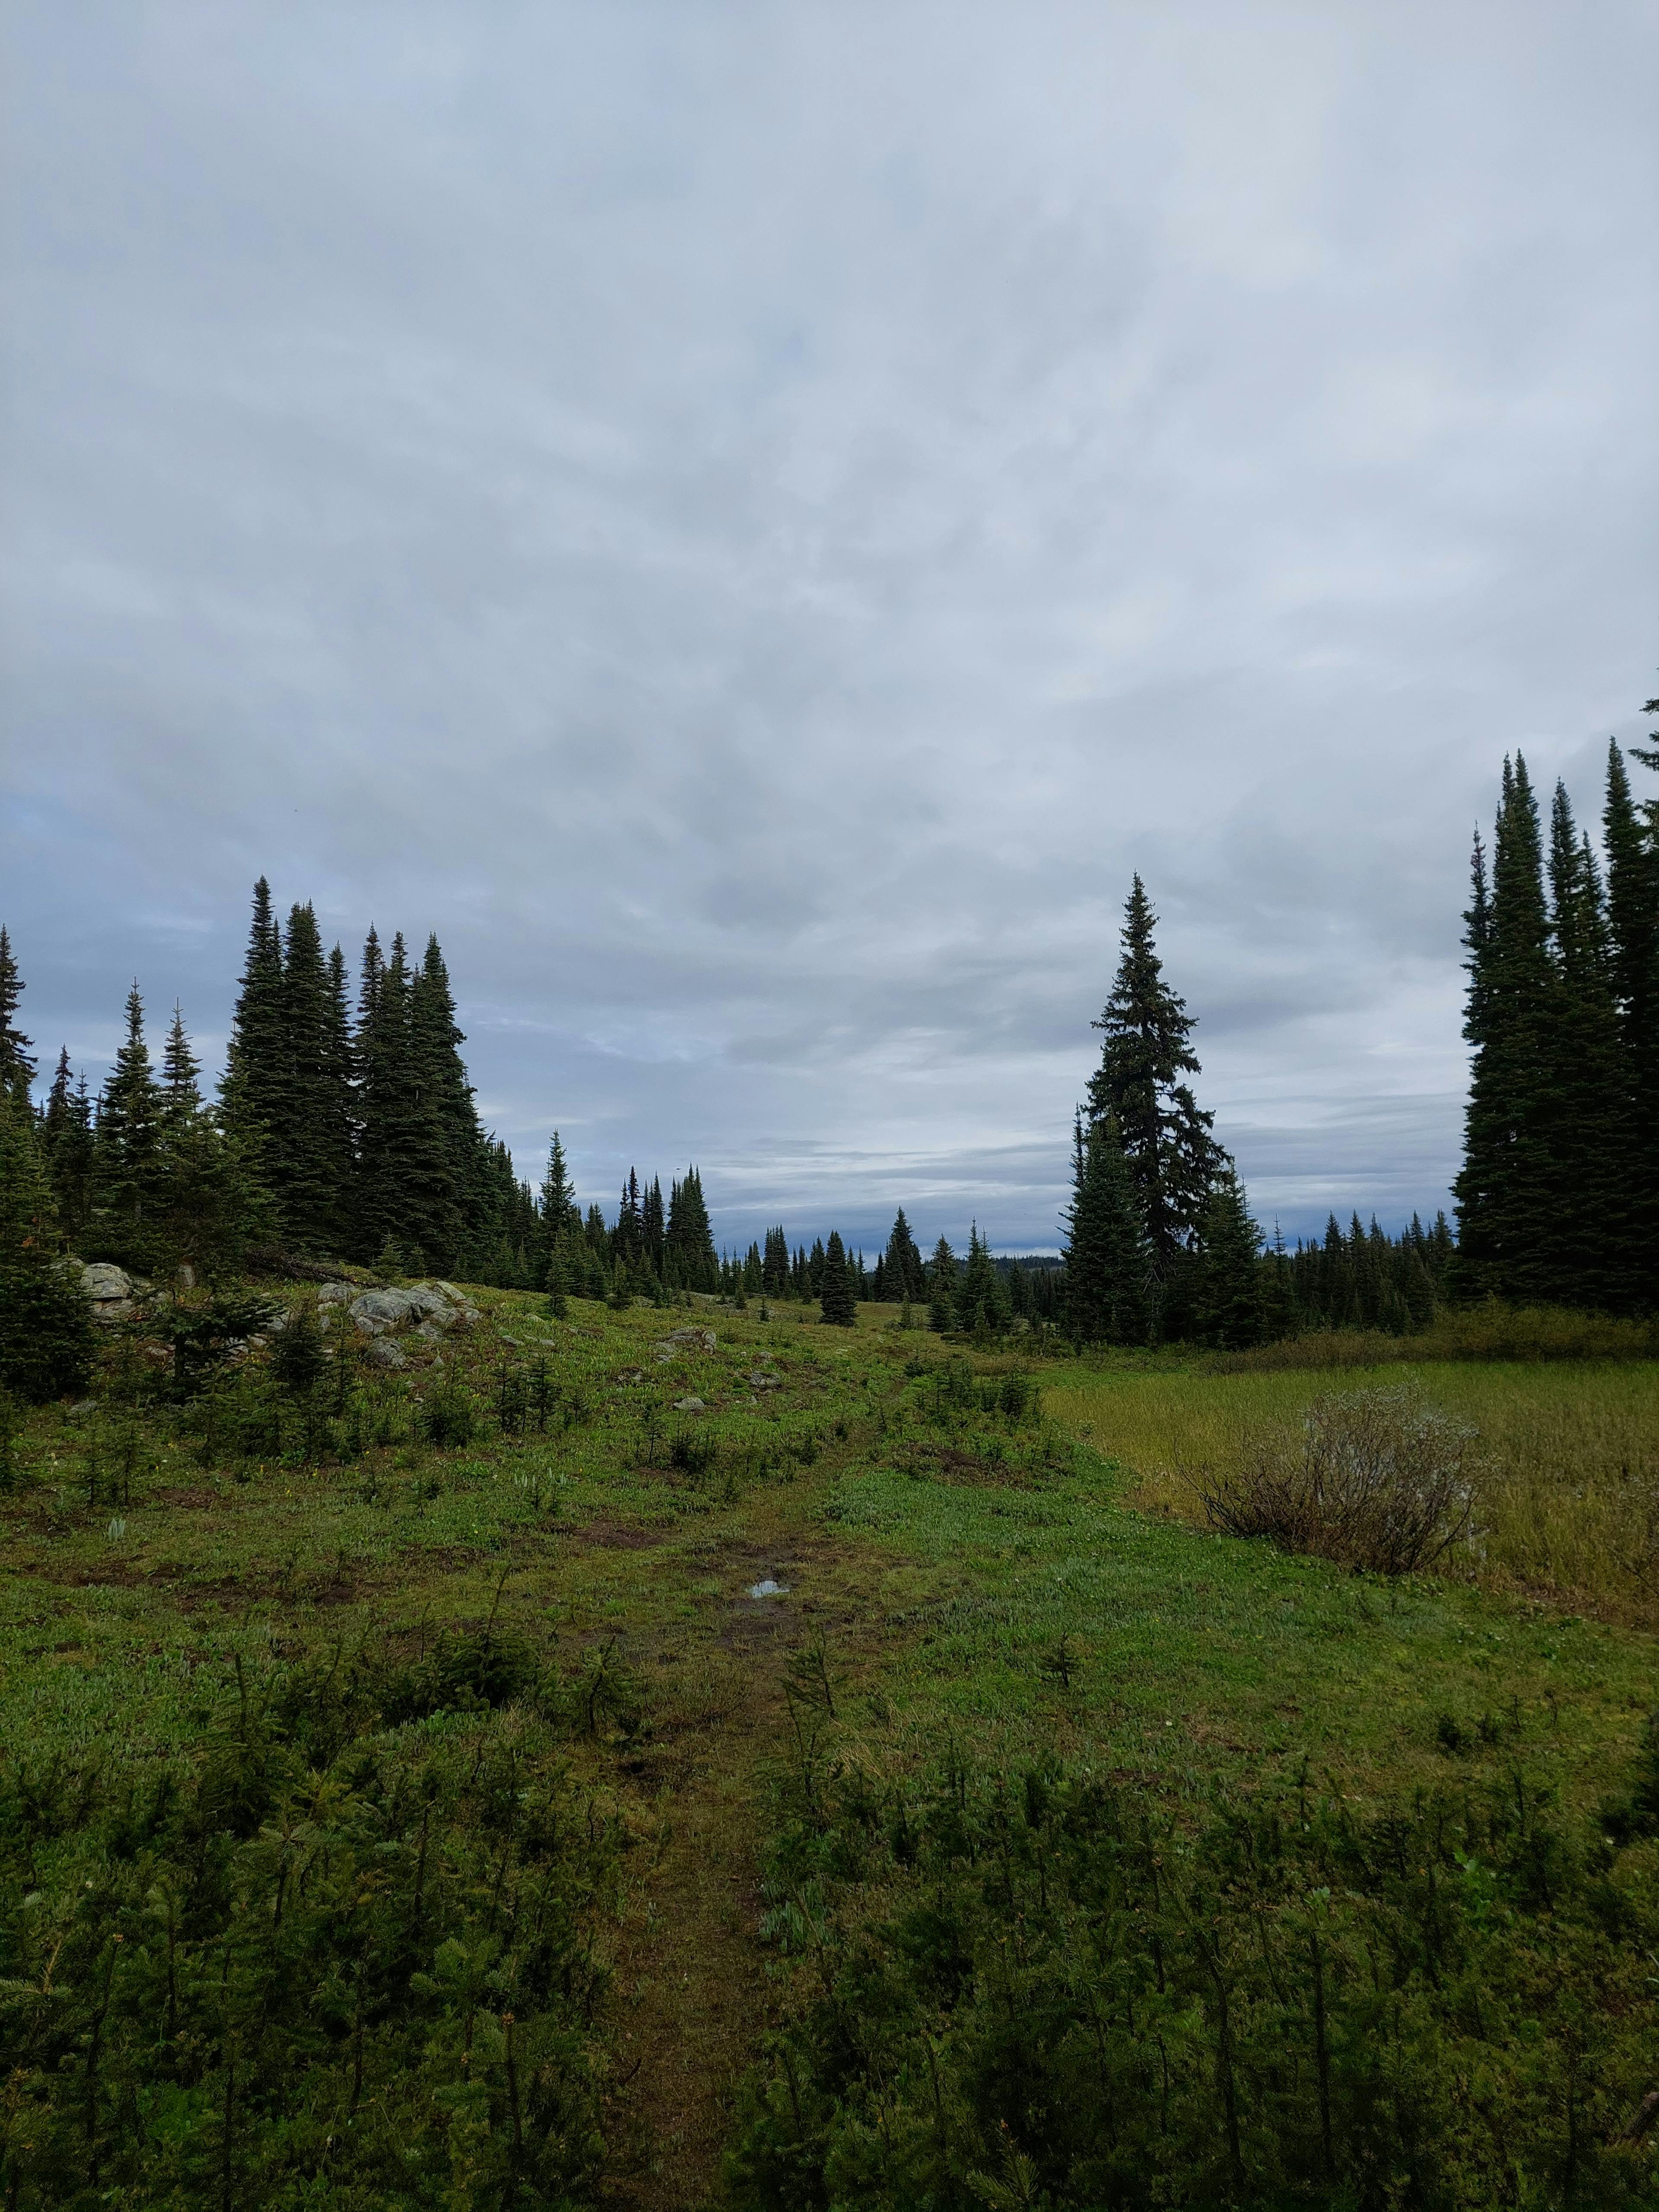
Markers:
<point>384,1353</point>
<point>111,1290</point>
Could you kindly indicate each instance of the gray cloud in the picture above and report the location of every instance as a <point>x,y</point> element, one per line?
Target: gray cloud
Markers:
<point>751,521</point>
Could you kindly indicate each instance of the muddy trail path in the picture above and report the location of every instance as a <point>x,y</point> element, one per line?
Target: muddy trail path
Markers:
<point>691,1996</point>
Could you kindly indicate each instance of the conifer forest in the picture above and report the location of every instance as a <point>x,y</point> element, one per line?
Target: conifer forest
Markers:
<point>513,1699</point>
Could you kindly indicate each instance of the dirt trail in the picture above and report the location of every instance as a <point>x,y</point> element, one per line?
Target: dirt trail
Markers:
<point>691,1993</point>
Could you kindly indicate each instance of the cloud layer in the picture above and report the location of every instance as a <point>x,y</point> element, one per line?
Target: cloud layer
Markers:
<point>752,520</point>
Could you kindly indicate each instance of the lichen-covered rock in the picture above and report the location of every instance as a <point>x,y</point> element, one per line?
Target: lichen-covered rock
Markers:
<point>375,1312</point>
<point>686,1339</point>
<point>384,1353</point>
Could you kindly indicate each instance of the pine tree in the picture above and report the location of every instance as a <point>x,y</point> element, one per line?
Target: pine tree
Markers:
<point>1173,1158</point>
<point>1593,1259</point>
<point>66,1150</point>
<point>16,1059</point>
<point>774,1264</point>
<point>204,1212</point>
<point>980,1302</point>
<point>941,1286</point>
<point>1228,1301</point>
<point>903,1271</point>
<point>399,1141</point>
<point>45,1323</point>
<point>838,1306</point>
<point>558,1220</point>
<point>443,1176</point>
<point>1108,1259</point>
<point>253,1094</point>
<point>688,1236</point>
<point>471,1192</point>
<point>1507,1204</point>
<point>1631,838</point>
<point>126,1166</point>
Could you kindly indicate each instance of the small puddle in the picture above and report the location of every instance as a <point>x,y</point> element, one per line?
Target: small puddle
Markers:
<point>767,1587</point>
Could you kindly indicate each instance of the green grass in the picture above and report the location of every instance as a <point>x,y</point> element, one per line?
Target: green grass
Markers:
<point>991,1588</point>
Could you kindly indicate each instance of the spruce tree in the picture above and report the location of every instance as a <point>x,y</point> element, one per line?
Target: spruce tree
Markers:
<point>16,1058</point>
<point>838,1307</point>
<point>980,1302</point>
<point>66,1148</point>
<point>127,1165</point>
<point>387,1107</point>
<point>1631,840</point>
<point>1593,1258</point>
<point>1165,1135</point>
<point>689,1237</point>
<point>774,1264</point>
<point>902,1272</point>
<point>205,1212</point>
<point>1228,1306</point>
<point>1506,1189</point>
<point>46,1322</point>
<point>1107,1288</point>
<point>463,1190</point>
<point>557,1217</point>
<point>253,1095</point>
<point>941,1286</point>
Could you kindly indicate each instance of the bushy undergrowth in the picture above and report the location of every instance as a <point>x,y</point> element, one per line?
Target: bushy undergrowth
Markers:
<point>1372,1478</point>
<point>1062,1990</point>
<point>1491,1330</point>
<point>323,1961</point>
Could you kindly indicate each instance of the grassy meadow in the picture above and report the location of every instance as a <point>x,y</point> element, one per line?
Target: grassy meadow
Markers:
<point>1565,1459</point>
<point>632,1801</point>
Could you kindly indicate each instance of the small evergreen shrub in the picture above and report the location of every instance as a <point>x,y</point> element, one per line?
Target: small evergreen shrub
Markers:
<point>449,1417</point>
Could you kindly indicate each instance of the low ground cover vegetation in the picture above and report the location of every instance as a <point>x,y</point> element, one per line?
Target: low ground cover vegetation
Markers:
<point>663,1756</point>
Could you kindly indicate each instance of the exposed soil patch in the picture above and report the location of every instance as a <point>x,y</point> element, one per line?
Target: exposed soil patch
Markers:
<point>617,1536</point>
<point>945,1464</point>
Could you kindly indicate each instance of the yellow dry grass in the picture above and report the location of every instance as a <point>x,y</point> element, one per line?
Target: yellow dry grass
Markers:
<point>1566,1467</point>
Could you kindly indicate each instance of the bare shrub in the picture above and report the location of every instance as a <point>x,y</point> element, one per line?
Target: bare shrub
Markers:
<point>1373,1477</point>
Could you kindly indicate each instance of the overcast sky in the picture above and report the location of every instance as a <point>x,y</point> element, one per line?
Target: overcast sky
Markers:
<point>753,520</point>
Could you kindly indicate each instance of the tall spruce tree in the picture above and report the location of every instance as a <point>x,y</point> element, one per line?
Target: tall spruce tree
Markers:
<point>558,1220</point>
<point>689,1237</point>
<point>1165,1134</point>
<point>253,1094</point>
<point>386,1105</point>
<point>66,1148</point>
<point>981,1302</point>
<point>1107,1287</point>
<point>16,1058</point>
<point>774,1263</point>
<point>126,1151</point>
<point>836,1302</point>
<point>941,1286</point>
<point>1507,1189</point>
<point>1228,1306</point>
<point>1593,1258</point>
<point>205,1211</point>
<point>45,1323</point>
<point>1631,840</point>
<point>902,1273</point>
